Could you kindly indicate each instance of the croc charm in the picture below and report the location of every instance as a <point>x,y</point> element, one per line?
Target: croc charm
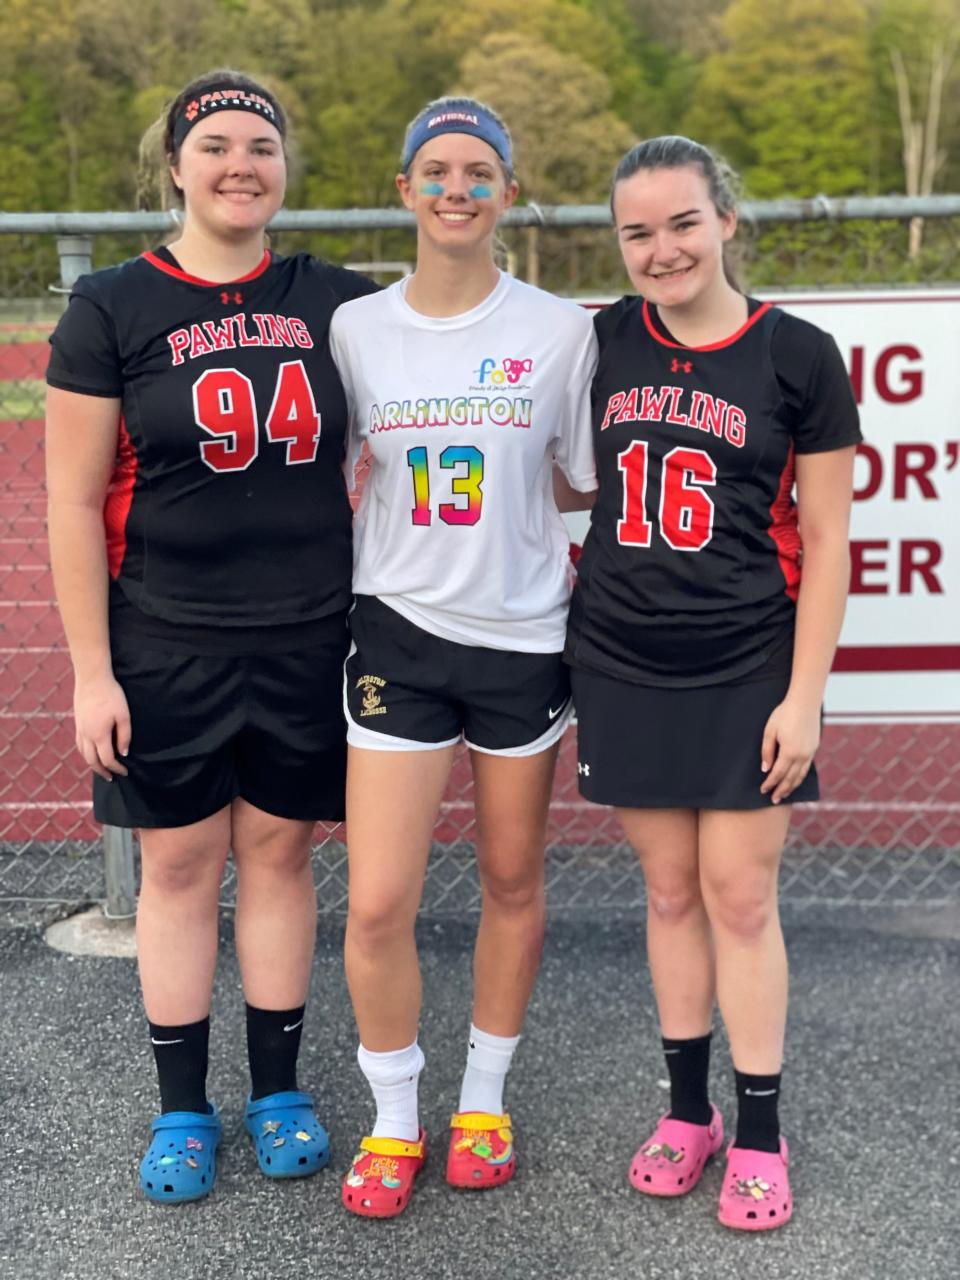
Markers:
<point>481,1152</point>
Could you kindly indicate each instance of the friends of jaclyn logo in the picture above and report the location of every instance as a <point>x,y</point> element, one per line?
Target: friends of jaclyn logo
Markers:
<point>508,371</point>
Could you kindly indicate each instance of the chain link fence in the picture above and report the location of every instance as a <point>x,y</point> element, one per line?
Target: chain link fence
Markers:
<point>888,830</point>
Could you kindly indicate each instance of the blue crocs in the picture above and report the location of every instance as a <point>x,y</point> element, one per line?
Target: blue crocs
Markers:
<point>290,1140</point>
<point>181,1161</point>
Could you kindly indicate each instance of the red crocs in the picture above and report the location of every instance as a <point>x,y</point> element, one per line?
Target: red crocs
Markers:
<point>481,1151</point>
<point>380,1181</point>
<point>756,1189</point>
<point>672,1159</point>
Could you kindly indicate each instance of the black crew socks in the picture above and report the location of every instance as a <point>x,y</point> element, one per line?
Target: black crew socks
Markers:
<point>273,1042</point>
<point>181,1056</point>
<point>688,1062</point>
<point>758,1123</point>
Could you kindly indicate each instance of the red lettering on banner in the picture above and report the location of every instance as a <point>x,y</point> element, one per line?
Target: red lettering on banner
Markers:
<point>910,382</point>
<point>874,476</point>
<point>896,385</point>
<point>860,566</point>
<point>904,469</point>
<point>915,559</point>
<point>856,373</point>
<point>920,557</point>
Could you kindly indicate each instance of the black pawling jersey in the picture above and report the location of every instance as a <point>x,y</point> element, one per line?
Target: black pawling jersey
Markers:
<point>691,567</point>
<point>227,506</point>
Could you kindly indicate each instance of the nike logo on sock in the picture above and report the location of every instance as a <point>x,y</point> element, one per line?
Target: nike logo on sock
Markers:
<point>472,1045</point>
<point>760,1093</point>
<point>293,1026</point>
<point>153,1041</point>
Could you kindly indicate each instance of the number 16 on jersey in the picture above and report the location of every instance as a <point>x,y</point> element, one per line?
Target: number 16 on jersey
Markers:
<point>685,508</point>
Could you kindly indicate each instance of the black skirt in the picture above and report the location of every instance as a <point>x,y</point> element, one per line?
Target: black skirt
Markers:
<point>641,747</point>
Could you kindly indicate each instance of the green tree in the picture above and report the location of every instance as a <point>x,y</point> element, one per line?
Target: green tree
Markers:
<point>787,100</point>
<point>566,138</point>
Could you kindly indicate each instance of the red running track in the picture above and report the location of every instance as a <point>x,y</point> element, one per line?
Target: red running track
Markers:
<point>886,787</point>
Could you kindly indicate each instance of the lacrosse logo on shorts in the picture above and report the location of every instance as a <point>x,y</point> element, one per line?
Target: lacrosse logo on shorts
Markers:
<point>372,701</point>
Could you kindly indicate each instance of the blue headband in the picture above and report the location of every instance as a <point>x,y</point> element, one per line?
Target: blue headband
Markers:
<point>471,120</point>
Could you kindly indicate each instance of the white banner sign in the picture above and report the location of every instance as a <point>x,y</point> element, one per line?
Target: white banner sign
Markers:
<point>899,655</point>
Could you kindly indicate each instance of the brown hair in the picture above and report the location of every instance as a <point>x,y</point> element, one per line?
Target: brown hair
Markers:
<point>673,151</point>
<point>157,149</point>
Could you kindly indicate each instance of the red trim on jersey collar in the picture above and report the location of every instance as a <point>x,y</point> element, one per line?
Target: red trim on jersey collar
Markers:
<point>178,274</point>
<point>710,346</point>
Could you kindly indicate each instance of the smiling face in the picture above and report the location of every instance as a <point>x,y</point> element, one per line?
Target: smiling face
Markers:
<point>671,235</point>
<point>457,188</point>
<point>232,172</point>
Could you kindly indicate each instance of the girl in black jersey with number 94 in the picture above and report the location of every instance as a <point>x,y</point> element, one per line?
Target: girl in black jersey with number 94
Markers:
<point>200,534</point>
<point>701,632</point>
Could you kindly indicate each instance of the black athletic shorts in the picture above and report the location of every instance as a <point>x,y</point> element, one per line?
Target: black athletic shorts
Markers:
<point>207,728</point>
<point>408,690</point>
<point>640,747</point>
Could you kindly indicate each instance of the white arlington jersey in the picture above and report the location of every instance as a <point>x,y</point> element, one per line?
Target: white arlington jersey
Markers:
<point>463,416</point>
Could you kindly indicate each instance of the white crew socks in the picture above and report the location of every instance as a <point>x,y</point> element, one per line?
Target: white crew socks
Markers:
<point>393,1077</point>
<point>488,1061</point>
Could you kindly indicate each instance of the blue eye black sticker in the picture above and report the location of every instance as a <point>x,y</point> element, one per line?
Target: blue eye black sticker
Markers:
<point>432,189</point>
<point>481,192</point>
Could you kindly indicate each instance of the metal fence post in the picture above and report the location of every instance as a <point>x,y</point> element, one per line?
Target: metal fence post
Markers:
<point>75,253</point>
<point>121,901</point>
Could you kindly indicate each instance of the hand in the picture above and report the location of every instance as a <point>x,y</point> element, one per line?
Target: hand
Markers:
<point>103,721</point>
<point>790,741</point>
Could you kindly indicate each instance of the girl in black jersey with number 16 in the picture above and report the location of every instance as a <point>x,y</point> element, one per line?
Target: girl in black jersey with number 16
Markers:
<point>201,546</point>
<point>701,633</point>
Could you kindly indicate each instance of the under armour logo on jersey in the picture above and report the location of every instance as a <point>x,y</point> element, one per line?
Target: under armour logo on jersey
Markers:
<point>583,769</point>
<point>226,297</point>
<point>677,365</point>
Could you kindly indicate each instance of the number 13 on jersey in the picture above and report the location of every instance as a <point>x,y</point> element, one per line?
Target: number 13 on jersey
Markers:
<point>685,508</point>
<point>465,484</point>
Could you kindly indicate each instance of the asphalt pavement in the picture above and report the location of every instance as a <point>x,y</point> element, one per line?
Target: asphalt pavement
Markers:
<point>869,1105</point>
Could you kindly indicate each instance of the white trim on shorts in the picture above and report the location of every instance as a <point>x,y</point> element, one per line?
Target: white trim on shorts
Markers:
<point>552,735</point>
<point>359,736</point>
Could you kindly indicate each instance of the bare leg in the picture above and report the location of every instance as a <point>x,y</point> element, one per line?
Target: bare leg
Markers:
<point>393,798</point>
<point>276,906</point>
<point>739,862</point>
<point>177,917</point>
<point>679,944</point>
<point>512,795</point>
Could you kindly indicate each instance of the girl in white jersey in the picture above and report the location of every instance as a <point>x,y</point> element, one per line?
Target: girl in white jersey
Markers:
<point>466,385</point>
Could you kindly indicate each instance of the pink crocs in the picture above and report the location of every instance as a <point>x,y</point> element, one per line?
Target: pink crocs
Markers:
<point>672,1159</point>
<point>756,1190</point>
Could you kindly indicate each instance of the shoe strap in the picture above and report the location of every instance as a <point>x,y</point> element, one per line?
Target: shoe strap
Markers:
<point>479,1120</point>
<point>392,1147</point>
<point>186,1120</point>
